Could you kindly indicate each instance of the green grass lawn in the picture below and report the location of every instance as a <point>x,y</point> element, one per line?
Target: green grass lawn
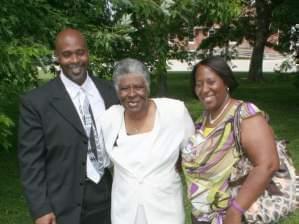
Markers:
<point>277,96</point>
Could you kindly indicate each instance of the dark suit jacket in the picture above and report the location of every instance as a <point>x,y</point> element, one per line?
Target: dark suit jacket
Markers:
<point>53,150</point>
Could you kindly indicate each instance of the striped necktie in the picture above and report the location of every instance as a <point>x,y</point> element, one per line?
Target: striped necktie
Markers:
<point>95,150</point>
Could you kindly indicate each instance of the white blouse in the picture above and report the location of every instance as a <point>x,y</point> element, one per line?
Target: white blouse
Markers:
<point>130,144</point>
<point>146,186</point>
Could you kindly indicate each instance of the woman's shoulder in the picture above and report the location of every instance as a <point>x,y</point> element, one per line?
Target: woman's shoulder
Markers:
<point>168,101</point>
<point>169,104</point>
<point>249,109</point>
<point>170,108</point>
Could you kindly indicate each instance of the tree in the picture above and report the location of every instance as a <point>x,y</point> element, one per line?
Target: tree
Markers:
<point>154,22</point>
<point>115,29</point>
<point>272,16</point>
<point>18,49</point>
<point>28,29</point>
<point>227,23</point>
<point>263,18</point>
<point>161,25</point>
<point>285,15</point>
<point>258,19</point>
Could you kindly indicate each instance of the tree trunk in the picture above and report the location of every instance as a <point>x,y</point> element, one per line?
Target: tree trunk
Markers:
<point>256,62</point>
<point>263,18</point>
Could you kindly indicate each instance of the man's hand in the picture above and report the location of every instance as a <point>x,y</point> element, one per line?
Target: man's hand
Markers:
<point>46,219</point>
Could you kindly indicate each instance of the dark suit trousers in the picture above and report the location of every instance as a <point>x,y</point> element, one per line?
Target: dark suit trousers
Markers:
<point>96,204</point>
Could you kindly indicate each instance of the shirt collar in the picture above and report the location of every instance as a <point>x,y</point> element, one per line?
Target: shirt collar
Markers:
<point>87,86</point>
<point>73,88</point>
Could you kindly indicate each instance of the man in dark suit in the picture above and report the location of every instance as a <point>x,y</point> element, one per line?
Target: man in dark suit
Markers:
<point>61,181</point>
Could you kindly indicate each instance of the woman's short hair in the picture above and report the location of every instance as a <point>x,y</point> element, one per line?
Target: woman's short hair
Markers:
<point>130,66</point>
<point>220,67</point>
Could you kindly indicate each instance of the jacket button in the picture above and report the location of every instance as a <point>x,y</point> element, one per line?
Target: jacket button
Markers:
<point>85,141</point>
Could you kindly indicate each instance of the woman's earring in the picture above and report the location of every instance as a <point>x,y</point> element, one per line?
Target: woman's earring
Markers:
<point>227,89</point>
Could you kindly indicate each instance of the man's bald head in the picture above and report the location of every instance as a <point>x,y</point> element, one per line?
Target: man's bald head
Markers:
<point>65,34</point>
<point>72,54</point>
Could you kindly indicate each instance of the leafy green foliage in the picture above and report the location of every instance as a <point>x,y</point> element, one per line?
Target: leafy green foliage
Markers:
<point>150,30</point>
<point>161,25</point>
<point>276,16</point>
<point>284,16</point>
<point>5,125</point>
<point>28,29</point>
<point>22,46</point>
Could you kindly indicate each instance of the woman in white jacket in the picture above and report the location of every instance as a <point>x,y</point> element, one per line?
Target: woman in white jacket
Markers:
<point>143,137</point>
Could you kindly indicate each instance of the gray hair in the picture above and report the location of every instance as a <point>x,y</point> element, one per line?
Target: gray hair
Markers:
<point>130,66</point>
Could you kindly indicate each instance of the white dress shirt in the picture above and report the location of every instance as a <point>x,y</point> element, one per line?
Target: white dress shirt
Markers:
<point>77,94</point>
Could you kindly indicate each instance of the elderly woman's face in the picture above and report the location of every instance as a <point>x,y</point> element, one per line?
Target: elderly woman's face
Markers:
<point>132,93</point>
<point>210,88</point>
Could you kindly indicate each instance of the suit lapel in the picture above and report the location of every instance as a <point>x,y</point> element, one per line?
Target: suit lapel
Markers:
<point>63,104</point>
<point>102,88</point>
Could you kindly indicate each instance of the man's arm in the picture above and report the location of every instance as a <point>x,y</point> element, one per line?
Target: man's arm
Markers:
<point>32,159</point>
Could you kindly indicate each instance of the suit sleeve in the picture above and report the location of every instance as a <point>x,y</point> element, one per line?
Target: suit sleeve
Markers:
<point>32,159</point>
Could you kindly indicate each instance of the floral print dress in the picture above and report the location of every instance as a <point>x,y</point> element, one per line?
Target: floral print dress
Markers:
<point>208,161</point>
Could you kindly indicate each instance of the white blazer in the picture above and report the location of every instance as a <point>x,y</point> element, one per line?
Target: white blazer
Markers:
<point>155,185</point>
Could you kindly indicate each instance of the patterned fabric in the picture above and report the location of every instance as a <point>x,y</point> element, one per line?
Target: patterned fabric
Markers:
<point>95,145</point>
<point>279,199</point>
<point>207,163</point>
